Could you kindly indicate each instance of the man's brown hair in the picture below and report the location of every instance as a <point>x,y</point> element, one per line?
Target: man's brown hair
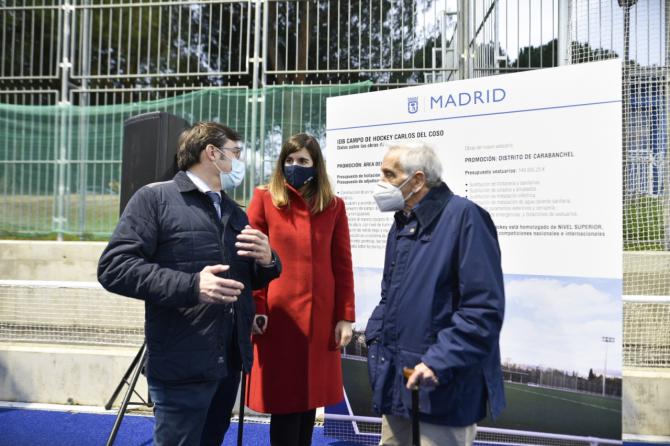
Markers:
<point>193,140</point>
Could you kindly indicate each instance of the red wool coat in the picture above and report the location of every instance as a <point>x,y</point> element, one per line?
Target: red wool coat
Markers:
<point>296,361</point>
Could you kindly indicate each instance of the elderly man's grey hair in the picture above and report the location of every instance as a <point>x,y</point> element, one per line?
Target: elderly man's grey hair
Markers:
<point>414,156</point>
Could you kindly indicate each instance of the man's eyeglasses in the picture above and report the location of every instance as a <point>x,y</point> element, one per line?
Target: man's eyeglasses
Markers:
<point>236,151</point>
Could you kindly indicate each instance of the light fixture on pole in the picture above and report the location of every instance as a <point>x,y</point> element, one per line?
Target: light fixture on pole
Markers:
<point>607,340</point>
<point>626,5</point>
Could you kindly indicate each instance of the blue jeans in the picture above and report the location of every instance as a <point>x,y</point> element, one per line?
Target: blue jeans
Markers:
<point>193,414</point>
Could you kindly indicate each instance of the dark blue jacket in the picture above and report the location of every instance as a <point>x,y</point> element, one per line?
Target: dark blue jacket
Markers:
<point>442,304</point>
<point>167,234</point>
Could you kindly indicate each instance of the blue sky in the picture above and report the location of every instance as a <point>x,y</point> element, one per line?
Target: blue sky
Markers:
<point>559,322</point>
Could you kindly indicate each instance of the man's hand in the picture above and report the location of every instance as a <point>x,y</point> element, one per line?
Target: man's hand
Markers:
<point>343,331</point>
<point>422,376</point>
<point>259,325</point>
<point>253,243</point>
<point>215,290</point>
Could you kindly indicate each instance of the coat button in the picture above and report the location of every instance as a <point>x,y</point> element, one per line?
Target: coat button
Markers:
<point>382,359</point>
<point>220,361</point>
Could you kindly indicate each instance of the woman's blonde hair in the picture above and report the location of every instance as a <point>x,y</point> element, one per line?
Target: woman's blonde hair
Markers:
<point>318,191</point>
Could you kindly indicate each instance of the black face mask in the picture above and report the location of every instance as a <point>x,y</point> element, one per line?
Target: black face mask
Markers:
<point>298,176</point>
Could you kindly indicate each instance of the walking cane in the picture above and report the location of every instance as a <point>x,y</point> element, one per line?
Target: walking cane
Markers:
<point>416,437</point>
<point>240,424</point>
<point>243,386</point>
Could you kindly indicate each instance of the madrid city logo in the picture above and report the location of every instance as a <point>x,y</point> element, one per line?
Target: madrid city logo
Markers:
<point>413,105</point>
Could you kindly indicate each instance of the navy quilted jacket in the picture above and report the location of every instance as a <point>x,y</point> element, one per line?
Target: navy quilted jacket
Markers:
<point>167,234</point>
<point>442,304</point>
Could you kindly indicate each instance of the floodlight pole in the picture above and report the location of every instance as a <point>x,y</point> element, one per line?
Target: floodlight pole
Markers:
<point>563,32</point>
<point>65,66</point>
<point>666,191</point>
<point>256,62</point>
<point>607,340</point>
<point>463,40</point>
<point>626,5</point>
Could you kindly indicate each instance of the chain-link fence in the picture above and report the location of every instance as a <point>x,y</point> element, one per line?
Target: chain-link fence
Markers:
<point>60,167</point>
<point>69,313</point>
<point>107,54</point>
<point>72,70</point>
<point>638,33</point>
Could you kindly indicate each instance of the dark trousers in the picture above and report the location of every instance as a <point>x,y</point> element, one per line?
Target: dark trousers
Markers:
<point>198,413</point>
<point>193,414</point>
<point>294,429</point>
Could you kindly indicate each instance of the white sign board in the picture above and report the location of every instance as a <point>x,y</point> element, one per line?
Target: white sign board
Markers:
<point>541,151</point>
<point>536,149</point>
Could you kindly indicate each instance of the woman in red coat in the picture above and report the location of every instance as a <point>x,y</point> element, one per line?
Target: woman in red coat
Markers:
<point>305,316</point>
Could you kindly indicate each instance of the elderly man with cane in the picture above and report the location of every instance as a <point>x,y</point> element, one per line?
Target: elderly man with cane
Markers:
<point>441,309</point>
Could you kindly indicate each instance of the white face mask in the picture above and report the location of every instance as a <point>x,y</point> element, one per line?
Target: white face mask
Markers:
<point>234,178</point>
<point>389,197</point>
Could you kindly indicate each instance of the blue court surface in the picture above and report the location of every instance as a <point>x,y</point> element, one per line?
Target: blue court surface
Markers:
<point>28,427</point>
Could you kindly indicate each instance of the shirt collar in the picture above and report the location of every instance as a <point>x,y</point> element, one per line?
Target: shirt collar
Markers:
<point>428,208</point>
<point>199,183</point>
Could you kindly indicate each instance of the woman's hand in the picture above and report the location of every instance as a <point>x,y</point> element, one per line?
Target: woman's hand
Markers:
<point>259,325</point>
<point>343,332</point>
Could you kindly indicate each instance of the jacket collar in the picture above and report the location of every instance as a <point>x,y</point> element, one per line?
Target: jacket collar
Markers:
<point>293,191</point>
<point>183,182</point>
<point>429,207</point>
<point>237,216</point>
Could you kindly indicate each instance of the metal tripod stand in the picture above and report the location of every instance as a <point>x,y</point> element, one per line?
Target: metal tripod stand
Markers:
<point>134,369</point>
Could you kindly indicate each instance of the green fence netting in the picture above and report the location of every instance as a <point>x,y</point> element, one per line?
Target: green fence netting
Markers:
<point>60,166</point>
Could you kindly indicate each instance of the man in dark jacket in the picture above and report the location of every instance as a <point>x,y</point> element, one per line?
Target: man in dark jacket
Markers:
<point>186,249</point>
<point>441,309</point>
